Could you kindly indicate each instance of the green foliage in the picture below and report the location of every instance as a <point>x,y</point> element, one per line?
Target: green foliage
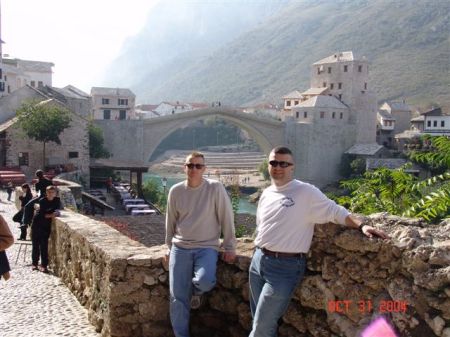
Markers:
<point>263,168</point>
<point>43,121</point>
<point>235,196</point>
<point>155,194</point>
<point>96,147</point>
<point>400,193</point>
<point>240,231</point>
<point>358,166</point>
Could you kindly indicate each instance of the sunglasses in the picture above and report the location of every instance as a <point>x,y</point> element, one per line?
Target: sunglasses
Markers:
<point>197,166</point>
<point>283,164</point>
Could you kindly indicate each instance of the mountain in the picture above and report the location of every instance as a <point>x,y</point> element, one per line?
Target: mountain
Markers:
<point>406,42</point>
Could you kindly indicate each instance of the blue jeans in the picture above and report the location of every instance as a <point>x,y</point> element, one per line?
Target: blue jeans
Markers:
<point>191,271</point>
<point>272,281</point>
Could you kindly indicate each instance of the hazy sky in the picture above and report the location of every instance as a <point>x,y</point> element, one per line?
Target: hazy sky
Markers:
<point>81,37</point>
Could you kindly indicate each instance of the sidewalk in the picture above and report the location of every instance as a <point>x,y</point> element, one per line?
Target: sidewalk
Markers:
<point>33,303</point>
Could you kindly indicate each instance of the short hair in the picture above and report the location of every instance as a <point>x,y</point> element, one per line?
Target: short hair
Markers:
<point>195,154</point>
<point>282,150</point>
<point>51,188</point>
<point>39,173</point>
<point>25,186</point>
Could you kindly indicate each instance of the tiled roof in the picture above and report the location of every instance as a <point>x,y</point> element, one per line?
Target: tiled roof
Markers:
<point>314,91</point>
<point>435,112</point>
<point>70,92</point>
<point>364,149</point>
<point>386,115</point>
<point>418,119</point>
<point>390,163</point>
<point>112,92</point>
<point>408,134</point>
<point>344,56</point>
<point>323,101</point>
<point>399,106</point>
<point>7,124</point>
<point>293,94</point>
<point>33,66</point>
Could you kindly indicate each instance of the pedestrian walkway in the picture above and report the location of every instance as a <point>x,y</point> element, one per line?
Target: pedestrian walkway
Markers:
<point>33,303</point>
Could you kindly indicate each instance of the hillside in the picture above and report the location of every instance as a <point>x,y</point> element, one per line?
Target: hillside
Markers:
<point>407,43</point>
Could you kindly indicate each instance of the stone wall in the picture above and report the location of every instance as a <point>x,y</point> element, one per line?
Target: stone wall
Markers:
<point>350,280</point>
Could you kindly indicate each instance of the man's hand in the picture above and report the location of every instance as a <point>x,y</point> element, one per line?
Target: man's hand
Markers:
<point>166,260</point>
<point>229,257</point>
<point>370,232</point>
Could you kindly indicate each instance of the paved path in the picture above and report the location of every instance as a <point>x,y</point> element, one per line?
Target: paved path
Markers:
<point>33,303</point>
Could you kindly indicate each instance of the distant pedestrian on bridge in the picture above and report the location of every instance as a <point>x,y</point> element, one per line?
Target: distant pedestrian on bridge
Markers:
<point>198,211</point>
<point>285,218</point>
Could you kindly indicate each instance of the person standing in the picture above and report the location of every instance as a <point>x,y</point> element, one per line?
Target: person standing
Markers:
<point>18,217</point>
<point>285,218</point>
<point>49,207</point>
<point>41,187</point>
<point>198,211</point>
<point>9,190</point>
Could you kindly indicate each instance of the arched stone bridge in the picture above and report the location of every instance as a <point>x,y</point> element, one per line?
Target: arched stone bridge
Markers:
<point>136,140</point>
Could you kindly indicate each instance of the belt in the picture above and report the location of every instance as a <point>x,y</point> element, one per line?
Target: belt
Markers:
<point>281,254</point>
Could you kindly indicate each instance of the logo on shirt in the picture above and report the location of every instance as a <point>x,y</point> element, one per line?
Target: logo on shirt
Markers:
<point>287,202</point>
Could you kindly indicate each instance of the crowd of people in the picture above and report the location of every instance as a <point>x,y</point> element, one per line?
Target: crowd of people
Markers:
<point>35,212</point>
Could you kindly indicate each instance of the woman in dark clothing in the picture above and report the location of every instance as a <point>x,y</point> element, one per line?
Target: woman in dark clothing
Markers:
<point>24,199</point>
<point>41,227</point>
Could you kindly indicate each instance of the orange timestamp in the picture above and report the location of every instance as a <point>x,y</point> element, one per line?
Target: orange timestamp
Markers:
<point>367,306</point>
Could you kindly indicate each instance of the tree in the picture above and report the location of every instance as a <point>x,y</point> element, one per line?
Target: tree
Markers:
<point>43,121</point>
<point>399,192</point>
<point>96,147</point>
<point>153,192</point>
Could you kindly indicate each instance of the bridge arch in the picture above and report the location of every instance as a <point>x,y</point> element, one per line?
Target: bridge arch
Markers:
<point>266,132</point>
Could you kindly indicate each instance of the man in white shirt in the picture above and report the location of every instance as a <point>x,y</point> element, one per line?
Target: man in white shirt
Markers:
<point>198,211</point>
<point>287,212</point>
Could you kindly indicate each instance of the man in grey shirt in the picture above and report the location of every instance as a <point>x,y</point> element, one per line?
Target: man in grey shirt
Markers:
<point>198,211</point>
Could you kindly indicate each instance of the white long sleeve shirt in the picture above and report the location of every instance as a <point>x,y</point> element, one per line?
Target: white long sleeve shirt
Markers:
<point>196,217</point>
<point>286,216</point>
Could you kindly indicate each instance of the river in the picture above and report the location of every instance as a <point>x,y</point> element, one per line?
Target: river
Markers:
<point>244,205</point>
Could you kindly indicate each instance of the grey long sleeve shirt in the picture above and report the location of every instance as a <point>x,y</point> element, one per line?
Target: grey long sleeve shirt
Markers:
<point>196,217</point>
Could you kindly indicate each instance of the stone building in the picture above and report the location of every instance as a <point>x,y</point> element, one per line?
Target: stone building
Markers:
<point>17,150</point>
<point>337,112</point>
<point>392,118</point>
<point>113,103</point>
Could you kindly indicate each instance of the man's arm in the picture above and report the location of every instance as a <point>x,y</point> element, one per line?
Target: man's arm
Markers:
<point>226,220</point>
<point>170,223</point>
<point>353,222</point>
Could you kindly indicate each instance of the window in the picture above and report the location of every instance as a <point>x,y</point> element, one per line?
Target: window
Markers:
<point>297,113</point>
<point>429,123</point>
<point>6,78</point>
<point>329,70</point>
<point>339,85</point>
<point>322,114</point>
<point>40,84</point>
<point>122,101</point>
<point>345,69</point>
<point>365,86</point>
<point>331,86</point>
<point>295,102</point>
<point>9,89</point>
<point>434,123</point>
<point>324,84</point>
<point>318,71</point>
<point>442,124</point>
<point>305,114</point>
<point>2,86</point>
<point>73,154</point>
<point>341,115</point>
<point>33,84</point>
<point>23,158</point>
<point>340,96</point>
<point>122,114</point>
<point>288,103</point>
<point>360,68</point>
<point>333,115</point>
<point>105,101</point>
<point>106,114</point>
<point>1,73</point>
